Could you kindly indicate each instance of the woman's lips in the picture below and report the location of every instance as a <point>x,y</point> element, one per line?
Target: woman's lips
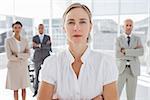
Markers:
<point>77,35</point>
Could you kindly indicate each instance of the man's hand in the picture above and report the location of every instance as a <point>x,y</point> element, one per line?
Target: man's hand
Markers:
<point>122,50</point>
<point>138,46</point>
<point>36,45</point>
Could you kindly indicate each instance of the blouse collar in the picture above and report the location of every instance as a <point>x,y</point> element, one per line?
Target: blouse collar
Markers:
<point>83,57</point>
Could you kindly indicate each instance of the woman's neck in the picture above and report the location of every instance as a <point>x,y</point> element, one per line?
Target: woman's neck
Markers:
<point>77,50</point>
<point>17,36</point>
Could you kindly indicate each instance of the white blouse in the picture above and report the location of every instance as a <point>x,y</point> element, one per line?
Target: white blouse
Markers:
<point>97,70</point>
<point>18,44</point>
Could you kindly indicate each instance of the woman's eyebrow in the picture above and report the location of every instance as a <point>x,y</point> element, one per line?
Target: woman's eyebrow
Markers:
<point>70,20</point>
<point>83,19</point>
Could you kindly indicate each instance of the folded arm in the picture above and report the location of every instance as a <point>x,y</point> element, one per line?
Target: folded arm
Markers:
<point>47,46</point>
<point>35,45</point>
<point>134,52</point>
<point>25,55</point>
<point>137,51</point>
<point>119,53</point>
<point>110,91</point>
<point>129,54</point>
<point>45,91</point>
<point>12,56</point>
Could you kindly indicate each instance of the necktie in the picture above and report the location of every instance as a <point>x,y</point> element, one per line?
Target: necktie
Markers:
<point>128,40</point>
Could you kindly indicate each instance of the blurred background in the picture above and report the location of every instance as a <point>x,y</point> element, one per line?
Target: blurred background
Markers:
<point>108,17</point>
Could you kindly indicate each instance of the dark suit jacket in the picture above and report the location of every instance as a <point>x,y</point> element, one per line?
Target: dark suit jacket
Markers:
<point>41,53</point>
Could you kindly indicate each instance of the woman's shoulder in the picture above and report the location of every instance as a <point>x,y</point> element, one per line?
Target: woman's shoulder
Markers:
<point>101,56</point>
<point>56,56</point>
<point>53,61</point>
<point>9,38</point>
<point>98,53</point>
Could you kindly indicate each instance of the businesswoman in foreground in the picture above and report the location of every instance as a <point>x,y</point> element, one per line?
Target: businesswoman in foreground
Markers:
<point>17,53</point>
<point>78,73</point>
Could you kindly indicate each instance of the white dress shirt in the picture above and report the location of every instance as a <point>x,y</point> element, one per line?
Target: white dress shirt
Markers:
<point>126,36</point>
<point>41,36</point>
<point>96,71</point>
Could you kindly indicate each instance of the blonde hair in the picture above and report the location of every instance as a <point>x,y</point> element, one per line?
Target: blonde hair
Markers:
<point>77,5</point>
<point>85,8</point>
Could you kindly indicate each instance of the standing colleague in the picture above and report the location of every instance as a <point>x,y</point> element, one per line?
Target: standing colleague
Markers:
<point>17,53</point>
<point>128,50</point>
<point>42,48</point>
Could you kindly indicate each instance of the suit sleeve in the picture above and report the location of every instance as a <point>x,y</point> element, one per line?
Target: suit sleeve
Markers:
<point>34,40</point>
<point>47,46</point>
<point>136,51</point>
<point>118,53</point>
<point>9,52</point>
<point>118,48</point>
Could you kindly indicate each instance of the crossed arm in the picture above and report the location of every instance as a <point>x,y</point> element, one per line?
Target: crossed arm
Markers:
<point>42,46</point>
<point>128,54</point>
<point>25,54</point>
<point>14,56</point>
<point>46,91</point>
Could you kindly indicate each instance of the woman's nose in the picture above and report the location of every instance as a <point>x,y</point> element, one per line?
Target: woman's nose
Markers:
<point>77,27</point>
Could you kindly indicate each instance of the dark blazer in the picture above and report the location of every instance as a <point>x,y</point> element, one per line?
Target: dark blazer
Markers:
<point>41,53</point>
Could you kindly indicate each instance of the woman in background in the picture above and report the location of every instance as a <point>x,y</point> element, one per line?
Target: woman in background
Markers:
<point>17,53</point>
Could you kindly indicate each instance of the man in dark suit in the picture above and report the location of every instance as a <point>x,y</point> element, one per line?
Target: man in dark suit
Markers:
<point>42,48</point>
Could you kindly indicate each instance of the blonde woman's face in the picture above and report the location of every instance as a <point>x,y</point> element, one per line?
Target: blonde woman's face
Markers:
<point>77,26</point>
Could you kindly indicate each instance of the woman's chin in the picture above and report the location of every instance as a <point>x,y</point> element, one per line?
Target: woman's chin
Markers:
<point>79,41</point>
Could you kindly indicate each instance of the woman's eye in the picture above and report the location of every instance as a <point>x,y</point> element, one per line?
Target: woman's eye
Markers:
<point>82,22</point>
<point>70,22</point>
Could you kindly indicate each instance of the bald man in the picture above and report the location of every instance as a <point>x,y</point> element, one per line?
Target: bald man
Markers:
<point>128,50</point>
